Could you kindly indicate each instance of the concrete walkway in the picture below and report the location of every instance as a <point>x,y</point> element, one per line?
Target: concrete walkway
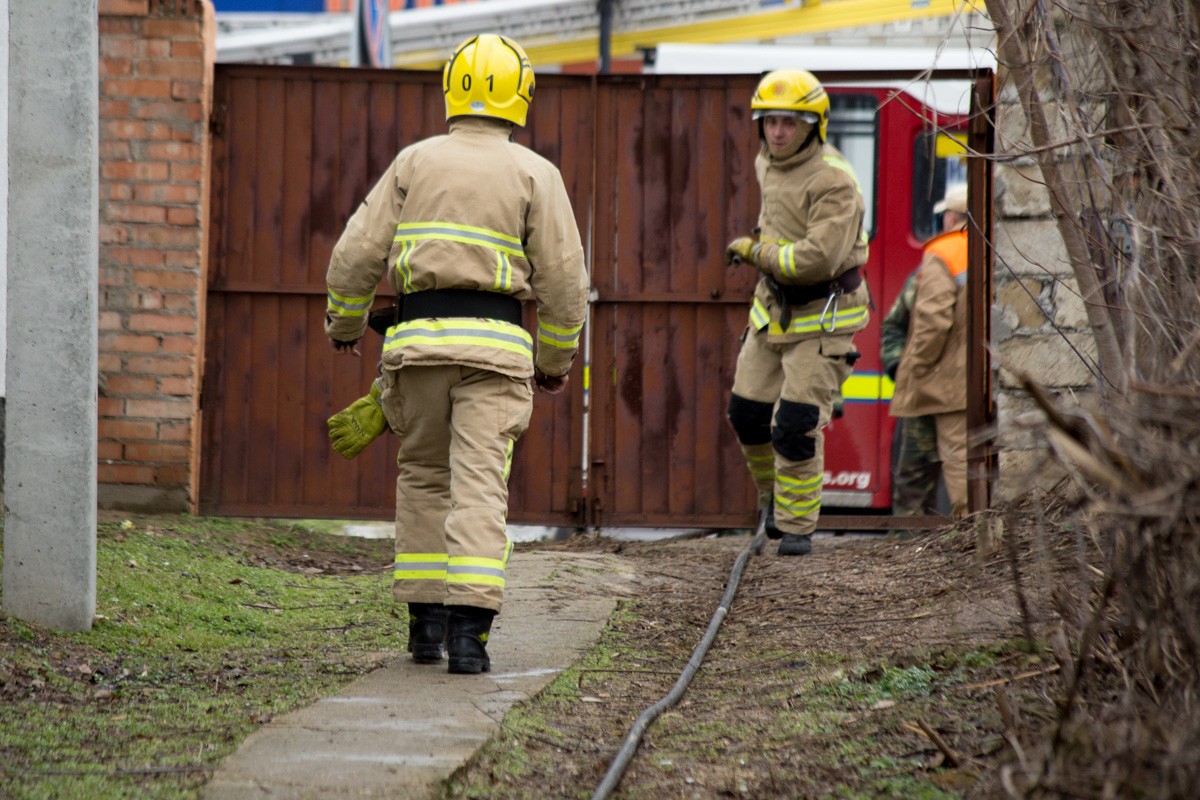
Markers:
<point>402,729</point>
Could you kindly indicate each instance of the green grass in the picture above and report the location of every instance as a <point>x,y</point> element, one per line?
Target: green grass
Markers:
<point>193,647</point>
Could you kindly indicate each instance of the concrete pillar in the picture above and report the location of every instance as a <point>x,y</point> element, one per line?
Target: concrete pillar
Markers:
<point>49,574</point>
<point>3,216</point>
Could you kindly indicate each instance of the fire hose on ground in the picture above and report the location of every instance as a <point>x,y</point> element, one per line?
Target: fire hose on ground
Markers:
<point>616,769</point>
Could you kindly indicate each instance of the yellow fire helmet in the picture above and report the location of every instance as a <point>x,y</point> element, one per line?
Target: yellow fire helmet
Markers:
<point>795,91</point>
<point>488,76</point>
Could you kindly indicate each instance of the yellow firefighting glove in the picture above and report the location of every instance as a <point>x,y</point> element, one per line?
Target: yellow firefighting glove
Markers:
<point>743,249</point>
<point>355,427</point>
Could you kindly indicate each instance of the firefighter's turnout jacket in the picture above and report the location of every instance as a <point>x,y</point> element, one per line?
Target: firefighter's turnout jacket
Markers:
<point>807,305</point>
<point>811,231</point>
<point>931,378</point>
<point>466,210</point>
<point>466,225</point>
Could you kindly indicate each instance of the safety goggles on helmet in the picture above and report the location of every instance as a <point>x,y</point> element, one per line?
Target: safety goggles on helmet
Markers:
<point>793,90</point>
<point>488,76</point>
<point>803,116</point>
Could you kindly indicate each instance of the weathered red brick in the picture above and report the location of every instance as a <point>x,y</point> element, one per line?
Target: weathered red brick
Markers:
<point>175,431</point>
<point>128,429</point>
<point>134,212</point>
<point>162,323</point>
<point>171,29</point>
<point>136,257</point>
<point>173,475</point>
<point>164,409</point>
<point>166,279</point>
<point>182,216</point>
<point>129,343</point>
<point>134,171</point>
<point>110,407</point>
<point>175,386</point>
<point>186,345</point>
<point>124,473</point>
<point>136,8</point>
<point>114,109</point>
<point>154,452</point>
<point>109,451</point>
<point>185,50</point>
<point>112,66</point>
<point>172,151</point>
<point>128,385</point>
<point>137,87</point>
<point>166,193</point>
<point>159,365</point>
<point>154,48</point>
<point>118,26</point>
<point>167,236</point>
<point>171,68</point>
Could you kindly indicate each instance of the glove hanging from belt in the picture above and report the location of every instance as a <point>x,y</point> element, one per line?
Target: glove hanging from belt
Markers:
<point>357,425</point>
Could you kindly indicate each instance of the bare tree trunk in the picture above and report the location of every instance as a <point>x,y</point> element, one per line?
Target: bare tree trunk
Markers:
<point>1013,54</point>
<point>1111,91</point>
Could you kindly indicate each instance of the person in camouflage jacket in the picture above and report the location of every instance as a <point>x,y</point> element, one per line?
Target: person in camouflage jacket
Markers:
<point>916,468</point>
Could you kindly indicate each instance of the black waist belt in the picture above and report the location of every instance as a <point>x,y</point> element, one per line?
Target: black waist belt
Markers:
<point>460,303</point>
<point>848,281</point>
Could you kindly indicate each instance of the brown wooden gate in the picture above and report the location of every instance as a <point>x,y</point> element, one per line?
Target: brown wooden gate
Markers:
<point>294,152</point>
<point>660,174</point>
<point>669,314</point>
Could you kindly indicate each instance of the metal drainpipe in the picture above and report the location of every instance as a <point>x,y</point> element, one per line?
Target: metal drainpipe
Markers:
<point>605,7</point>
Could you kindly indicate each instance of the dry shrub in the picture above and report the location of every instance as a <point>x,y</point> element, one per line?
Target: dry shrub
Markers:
<point>1112,96</point>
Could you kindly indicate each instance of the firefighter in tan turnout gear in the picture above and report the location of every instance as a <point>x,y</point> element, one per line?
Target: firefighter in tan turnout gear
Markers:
<point>466,225</point>
<point>809,302</point>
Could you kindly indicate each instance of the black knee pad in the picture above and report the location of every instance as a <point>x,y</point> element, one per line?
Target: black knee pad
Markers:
<point>791,434</point>
<point>751,420</point>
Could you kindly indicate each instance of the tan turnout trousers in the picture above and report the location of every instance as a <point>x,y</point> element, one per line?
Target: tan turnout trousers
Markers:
<point>810,371</point>
<point>457,427</point>
<point>952,450</point>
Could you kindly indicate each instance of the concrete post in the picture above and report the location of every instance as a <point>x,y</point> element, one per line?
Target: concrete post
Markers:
<point>49,574</point>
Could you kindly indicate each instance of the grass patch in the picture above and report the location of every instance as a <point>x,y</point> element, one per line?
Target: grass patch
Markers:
<point>205,630</point>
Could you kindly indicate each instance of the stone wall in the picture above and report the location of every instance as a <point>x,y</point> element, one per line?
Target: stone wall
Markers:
<point>156,59</point>
<point>1039,323</point>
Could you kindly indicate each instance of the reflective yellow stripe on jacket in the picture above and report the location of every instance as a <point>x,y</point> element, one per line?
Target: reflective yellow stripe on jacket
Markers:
<point>452,332</point>
<point>348,306</point>
<point>506,246</point>
<point>554,336</point>
<point>760,317</point>
<point>844,166</point>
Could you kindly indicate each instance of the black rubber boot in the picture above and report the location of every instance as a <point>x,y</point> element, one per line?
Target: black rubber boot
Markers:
<point>427,623</point>
<point>795,544</point>
<point>767,517</point>
<point>467,640</point>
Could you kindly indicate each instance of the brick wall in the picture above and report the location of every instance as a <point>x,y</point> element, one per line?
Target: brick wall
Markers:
<point>156,60</point>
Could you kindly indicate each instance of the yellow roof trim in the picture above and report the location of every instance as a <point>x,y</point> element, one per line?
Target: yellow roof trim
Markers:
<point>810,18</point>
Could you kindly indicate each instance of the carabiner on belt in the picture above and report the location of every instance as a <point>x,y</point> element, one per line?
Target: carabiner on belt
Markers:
<point>834,294</point>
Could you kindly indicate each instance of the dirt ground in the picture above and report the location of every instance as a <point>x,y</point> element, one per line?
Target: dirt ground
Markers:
<point>870,668</point>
